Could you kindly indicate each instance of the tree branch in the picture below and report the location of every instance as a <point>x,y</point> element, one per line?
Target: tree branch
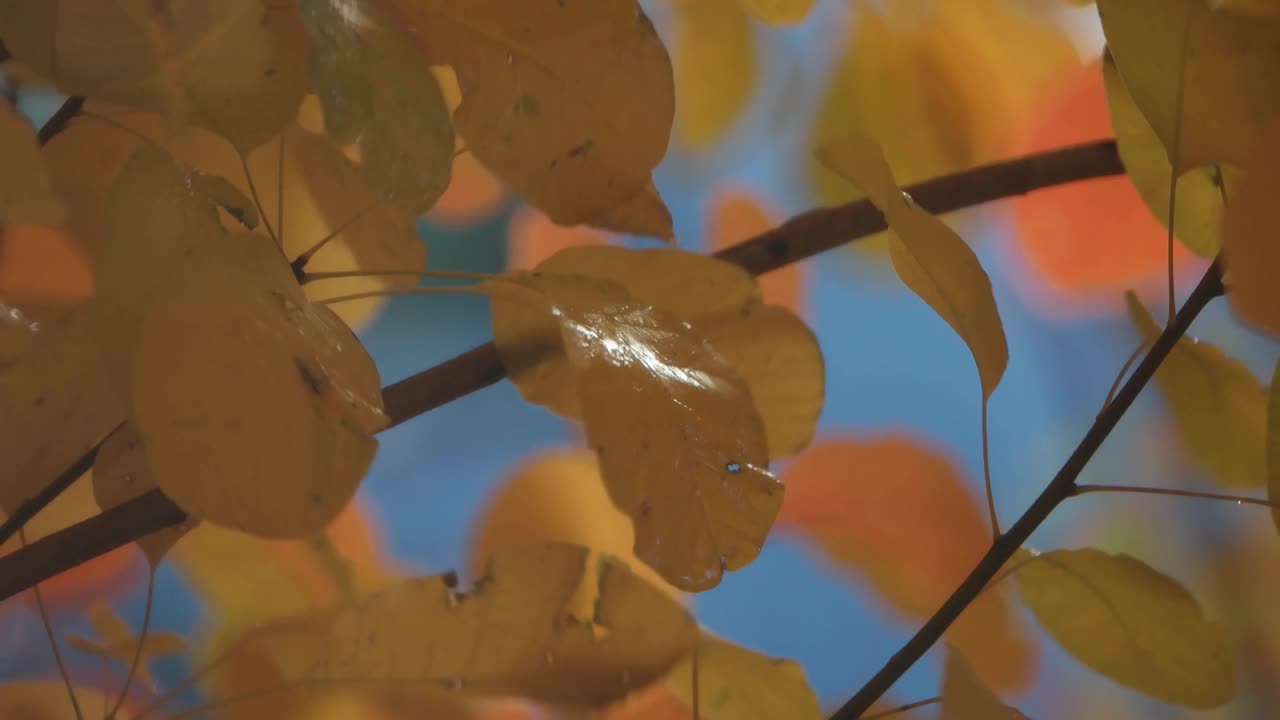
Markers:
<point>801,237</point>
<point>1061,487</point>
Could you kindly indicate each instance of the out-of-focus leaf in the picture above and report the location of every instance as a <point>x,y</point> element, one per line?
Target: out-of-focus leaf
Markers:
<point>532,238</point>
<point>1218,64</point>
<point>26,191</point>
<point>778,12</point>
<point>473,195</point>
<point>116,641</point>
<point>46,699</point>
<point>121,472</point>
<point>1273,444</point>
<point>512,635</point>
<point>1250,251</point>
<point>735,683</point>
<point>964,697</point>
<point>1218,407</point>
<point>1259,7</point>
<point>681,446</point>
<point>376,90</point>
<point>236,67</point>
<point>930,257</point>
<point>1200,191</point>
<point>570,103</point>
<point>40,266</point>
<point>559,496</point>
<point>58,402</point>
<point>714,59</point>
<point>898,514</point>
<point>737,215</point>
<point>234,356</point>
<point>1132,624</point>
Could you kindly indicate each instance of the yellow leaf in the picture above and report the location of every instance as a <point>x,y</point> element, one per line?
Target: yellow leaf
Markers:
<point>687,460</point>
<point>930,257</point>
<point>1219,408</point>
<point>964,697</point>
<point>642,213</point>
<point>46,699</point>
<point>1219,64</point>
<point>777,355</point>
<point>58,402</point>
<point>115,641</point>
<point>297,396</point>
<point>1273,444</point>
<point>714,59</point>
<point>1260,7</point>
<point>1130,623</point>
<point>569,103</point>
<point>778,12</point>
<point>736,683</point>
<point>1250,251</point>
<point>376,90</point>
<point>26,190</point>
<point>558,495</point>
<point>1200,192</point>
<point>512,635</point>
<point>120,473</point>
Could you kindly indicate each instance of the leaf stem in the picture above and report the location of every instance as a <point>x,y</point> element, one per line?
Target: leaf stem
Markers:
<point>142,639</point>
<point>1061,487</point>
<point>1115,384</point>
<point>53,640</point>
<point>34,504</point>
<point>1238,499</point>
<point>986,476</point>
<point>801,237</point>
<point>444,274</point>
<point>422,290</point>
<point>253,192</point>
<point>299,263</point>
<point>903,708</point>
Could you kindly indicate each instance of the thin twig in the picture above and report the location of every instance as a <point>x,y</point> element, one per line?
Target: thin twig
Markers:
<point>142,639</point>
<point>58,121</point>
<point>1237,499</point>
<point>34,504</point>
<point>801,237</point>
<point>53,641</point>
<point>1061,487</point>
<point>904,708</point>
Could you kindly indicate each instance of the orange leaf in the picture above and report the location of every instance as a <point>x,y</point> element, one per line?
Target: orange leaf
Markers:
<point>532,237</point>
<point>899,514</point>
<point>737,214</point>
<point>40,264</point>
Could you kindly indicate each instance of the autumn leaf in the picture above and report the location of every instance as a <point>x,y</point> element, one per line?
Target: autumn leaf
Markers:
<point>297,395</point>
<point>558,495</point>
<point>929,257</point>
<point>41,266</point>
<point>1200,76</point>
<point>532,238</point>
<point>964,697</point>
<point>1251,252</point>
<point>46,699</point>
<point>376,91</point>
<point>1273,444</point>
<point>570,103</point>
<point>778,12</point>
<point>236,67</point>
<point>734,683</point>
<point>688,459</point>
<point>714,59</point>
<point>115,641</point>
<point>897,513</point>
<point>737,215</point>
<point>1218,407</point>
<point>1130,623</point>
<point>1201,192</point>
<point>511,635</point>
<point>121,472</point>
<point>26,192</point>
<point>473,195</point>
<point>759,342</point>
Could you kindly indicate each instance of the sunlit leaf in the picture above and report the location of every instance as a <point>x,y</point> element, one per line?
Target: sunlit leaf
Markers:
<point>26,192</point>
<point>1251,252</point>
<point>737,215</point>
<point>57,403</point>
<point>964,697</point>
<point>735,683</point>
<point>1273,444</point>
<point>570,103</point>
<point>686,456</point>
<point>376,91</point>
<point>642,213</point>
<point>116,641</point>
<point>930,257</point>
<point>559,496</point>
<point>235,357</point>
<point>1218,407</point>
<point>121,472</point>
<point>1200,192</point>
<point>714,58</point>
<point>1132,624</point>
<point>778,12</point>
<point>512,635</point>
<point>897,513</point>
<point>236,67</point>
<point>1204,77</point>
